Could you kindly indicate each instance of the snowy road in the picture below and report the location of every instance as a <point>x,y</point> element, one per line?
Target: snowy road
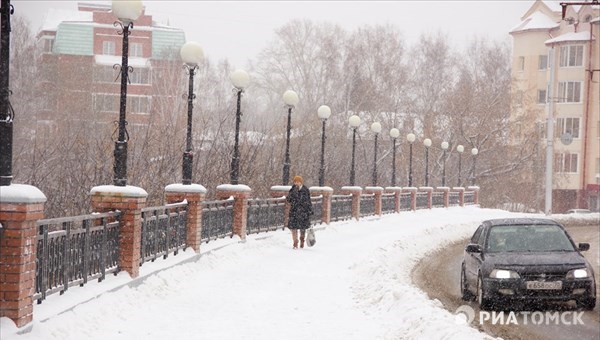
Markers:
<point>354,284</point>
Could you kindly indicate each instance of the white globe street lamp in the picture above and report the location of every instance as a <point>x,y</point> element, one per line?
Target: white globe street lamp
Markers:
<point>323,112</point>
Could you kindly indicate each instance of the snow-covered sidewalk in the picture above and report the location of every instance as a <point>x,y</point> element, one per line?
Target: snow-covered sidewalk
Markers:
<point>353,284</point>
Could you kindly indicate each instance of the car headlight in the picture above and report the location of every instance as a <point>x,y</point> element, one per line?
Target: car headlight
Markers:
<point>504,274</point>
<point>578,273</point>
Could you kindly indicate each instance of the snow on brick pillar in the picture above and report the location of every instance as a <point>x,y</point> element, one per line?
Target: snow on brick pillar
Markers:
<point>461,195</point>
<point>475,190</point>
<point>413,197</point>
<point>376,191</point>
<point>355,192</point>
<point>326,192</point>
<point>130,201</point>
<point>429,191</point>
<point>20,208</point>
<point>278,191</point>
<point>446,191</point>
<point>240,194</point>
<point>194,194</point>
<point>397,191</point>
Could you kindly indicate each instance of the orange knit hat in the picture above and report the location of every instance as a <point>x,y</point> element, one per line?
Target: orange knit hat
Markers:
<point>298,179</point>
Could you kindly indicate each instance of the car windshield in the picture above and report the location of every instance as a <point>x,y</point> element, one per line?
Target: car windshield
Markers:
<point>527,238</point>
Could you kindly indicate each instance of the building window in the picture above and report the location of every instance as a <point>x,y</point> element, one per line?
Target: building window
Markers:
<point>542,96</point>
<point>48,45</point>
<point>105,74</point>
<point>108,47</point>
<point>571,56</point>
<point>569,92</point>
<point>140,76</point>
<point>568,125</point>
<point>565,163</point>
<point>543,62</point>
<point>106,102</point>
<point>139,104</point>
<point>136,50</point>
<point>521,63</point>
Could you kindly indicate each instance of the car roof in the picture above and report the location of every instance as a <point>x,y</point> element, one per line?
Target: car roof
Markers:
<point>520,221</point>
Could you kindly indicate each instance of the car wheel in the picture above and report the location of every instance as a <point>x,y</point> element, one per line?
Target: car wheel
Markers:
<point>464,285</point>
<point>588,303</point>
<point>484,303</point>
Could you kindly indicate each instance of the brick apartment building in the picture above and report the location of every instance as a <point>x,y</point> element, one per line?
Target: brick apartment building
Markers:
<point>575,95</point>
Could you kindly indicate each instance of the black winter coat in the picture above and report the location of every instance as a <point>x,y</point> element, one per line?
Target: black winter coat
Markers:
<point>300,208</point>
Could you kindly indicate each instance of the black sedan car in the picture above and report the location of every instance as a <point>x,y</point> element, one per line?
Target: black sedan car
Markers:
<point>526,259</point>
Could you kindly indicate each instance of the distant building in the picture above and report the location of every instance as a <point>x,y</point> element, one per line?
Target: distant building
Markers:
<point>573,44</point>
<point>79,50</point>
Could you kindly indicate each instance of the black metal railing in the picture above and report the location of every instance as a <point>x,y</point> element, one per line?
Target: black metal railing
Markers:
<point>317,206</point>
<point>217,219</point>
<point>265,214</point>
<point>367,205</point>
<point>469,198</point>
<point>388,203</point>
<point>405,201</point>
<point>422,200</point>
<point>341,207</point>
<point>454,199</point>
<point>437,200</point>
<point>163,231</point>
<point>73,250</point>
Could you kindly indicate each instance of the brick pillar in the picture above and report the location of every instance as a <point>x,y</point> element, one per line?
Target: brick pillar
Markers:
<point>130,201</point>
<point>240,194</point>
<point>278,191</point>
<point>475,190</point>
<point>326,192</point>
<point>397,191</point>
<point>461,195</point>
<point>194,194</point>
<point>377,191</point>
<point>20,208</point>
<point>413,197</point>
<point>446,191</point>
<point>429,191</point>
<point>355,192</point>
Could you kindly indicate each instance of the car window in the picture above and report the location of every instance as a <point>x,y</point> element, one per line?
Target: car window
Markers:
<point>476,235</point>
<point>528,238</point>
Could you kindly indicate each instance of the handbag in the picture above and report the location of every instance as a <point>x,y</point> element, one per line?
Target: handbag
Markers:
<point>310,237</point>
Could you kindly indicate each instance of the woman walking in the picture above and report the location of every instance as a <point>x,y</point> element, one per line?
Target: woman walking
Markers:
<point>300,211</point>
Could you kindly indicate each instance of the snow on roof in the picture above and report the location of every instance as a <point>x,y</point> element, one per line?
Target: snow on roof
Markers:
<point>572,36</point>
<point>56,16</point>
<point>554,5</point>
<point>536,21</point>
<point>111,60</point>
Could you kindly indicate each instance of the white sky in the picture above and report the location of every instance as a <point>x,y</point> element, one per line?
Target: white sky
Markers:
<point>239,30</point>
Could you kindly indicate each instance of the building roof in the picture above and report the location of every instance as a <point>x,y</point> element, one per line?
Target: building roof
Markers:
<point>536,21</point>
<point>570,37</point>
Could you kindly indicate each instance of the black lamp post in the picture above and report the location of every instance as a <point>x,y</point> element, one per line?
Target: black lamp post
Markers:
<point>290,98</point>
<point>445,148</point>
<point>6,111</point>
<point>126,12</point>
<point>411,139</point>
<point>474,152</point>
<point>240,80</point>
<point>394,133</point>
<point>323,112</point>
<point>376,128</point>
<point>427,143</point>
<point>354,122</point>
<point>191,54</point>
<point>460,150</point>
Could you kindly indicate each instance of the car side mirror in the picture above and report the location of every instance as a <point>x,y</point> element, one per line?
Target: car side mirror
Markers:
<point>473,248</point>
<point>584,246</point>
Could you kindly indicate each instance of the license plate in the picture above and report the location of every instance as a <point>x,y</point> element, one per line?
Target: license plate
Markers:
<point>544,285</point>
